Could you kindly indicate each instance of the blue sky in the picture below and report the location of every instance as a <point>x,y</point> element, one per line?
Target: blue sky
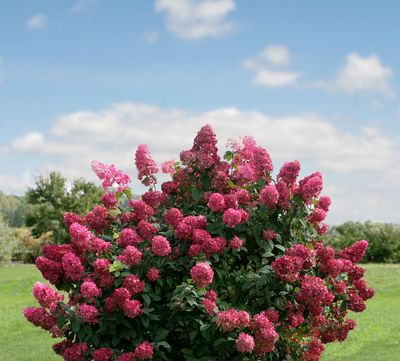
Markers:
<point>314,81</point>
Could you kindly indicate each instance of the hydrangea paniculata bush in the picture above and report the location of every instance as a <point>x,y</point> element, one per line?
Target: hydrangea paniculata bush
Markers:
<point>224,262</point>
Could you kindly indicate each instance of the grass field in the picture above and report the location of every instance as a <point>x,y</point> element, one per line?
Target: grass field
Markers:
<point>376,338</point>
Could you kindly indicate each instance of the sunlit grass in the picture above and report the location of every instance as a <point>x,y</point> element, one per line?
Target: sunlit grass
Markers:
<point>376,338</point>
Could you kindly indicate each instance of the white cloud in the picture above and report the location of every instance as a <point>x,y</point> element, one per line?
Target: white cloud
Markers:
<point>30,143</point>
<point>151,36</point>
<point>277,55</point>
<point>12,185</point>
<point>265,65</point>
<point>197,19</point>
<point>362,75</point>
<point>361,169</point>
<point>274,78</point>
<point>84,5</point>
<point>36,22</point>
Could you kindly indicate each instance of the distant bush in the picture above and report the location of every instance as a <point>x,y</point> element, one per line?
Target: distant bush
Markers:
<point>51,197</point>
<point>12,209</point>
<point>383,239</point>
<point>6,242</point>
<point>26,247</point>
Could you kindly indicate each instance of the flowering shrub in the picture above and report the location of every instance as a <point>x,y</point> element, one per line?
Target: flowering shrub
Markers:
<point>223,263</point>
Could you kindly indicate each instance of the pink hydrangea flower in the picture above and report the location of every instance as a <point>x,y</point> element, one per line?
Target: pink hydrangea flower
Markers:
<point>228,320</point>
<point>145,165</point>
<point>356,252</point>
<point>72,267</point>
<point>90,290</point>
<point>244,343</point>
<point>133,284</point>
<point>232,217</point>
<point>128,237</point>
<point>269,196</point>
<point>216,202</point>
<point>236,243</point>
<point>51,270</point>
<point>46,296</point>
<point>102,354</point>
<point>168,167</point>
<point>132,308</point>
<point>153,274</point>
<point>160,246</point>
<point>109,200</point>
<point>209,306</point>
<point>77,352</point>
<point>89,313</point>
<point>173,217</point>
<point>202,274</point>
<point>110,175</point>
<point>289,172</point>
<point>131,256</point>
<point>144,351</point>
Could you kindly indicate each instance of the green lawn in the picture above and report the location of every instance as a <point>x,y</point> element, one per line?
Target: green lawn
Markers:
<point>376,338</point>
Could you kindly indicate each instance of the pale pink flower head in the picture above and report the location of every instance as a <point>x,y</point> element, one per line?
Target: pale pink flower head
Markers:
<point>202,274</point>
<point>110,175</point>
<point>168,167</point>
<point>145,165</point>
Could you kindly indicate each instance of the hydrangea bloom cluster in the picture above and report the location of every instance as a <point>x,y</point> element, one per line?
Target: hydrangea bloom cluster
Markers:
<point>223,262</point>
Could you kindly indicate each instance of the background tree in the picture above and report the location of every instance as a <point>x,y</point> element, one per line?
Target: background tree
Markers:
<point>12,209</point>
<point>6,241</point>
<point>383,239</point>
<point>51,197</point>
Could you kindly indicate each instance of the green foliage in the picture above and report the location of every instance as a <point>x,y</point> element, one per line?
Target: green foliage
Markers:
<point>12,209</point>
<point>6,242</point>
<point>54,195</point>
<point>383,239</point>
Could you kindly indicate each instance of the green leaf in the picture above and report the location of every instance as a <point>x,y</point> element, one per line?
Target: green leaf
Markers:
<point>197,194</point>
<point>75,325</point>
<point>146,299</point>
<point>219,341</point>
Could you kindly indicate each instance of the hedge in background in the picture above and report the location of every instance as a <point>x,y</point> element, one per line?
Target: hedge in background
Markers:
<point>223,263</point>
<point>383,239</point>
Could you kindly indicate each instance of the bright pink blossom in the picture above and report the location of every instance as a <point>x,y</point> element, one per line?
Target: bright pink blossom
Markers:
<point>202,274</point>
<point>153,274</point>
<point>133,284</point>
<point>110,175</point>
<point>244,343</point>
<point>89,313</point>
<point>131,256</point>
<point>289,172</point>
<point>216,202</point>
<point>160,246</point>
<point>145,165</point>
<point>72,267</point>
<point>269,196</point>
<point>144,351</point>
<point>46,296</point>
